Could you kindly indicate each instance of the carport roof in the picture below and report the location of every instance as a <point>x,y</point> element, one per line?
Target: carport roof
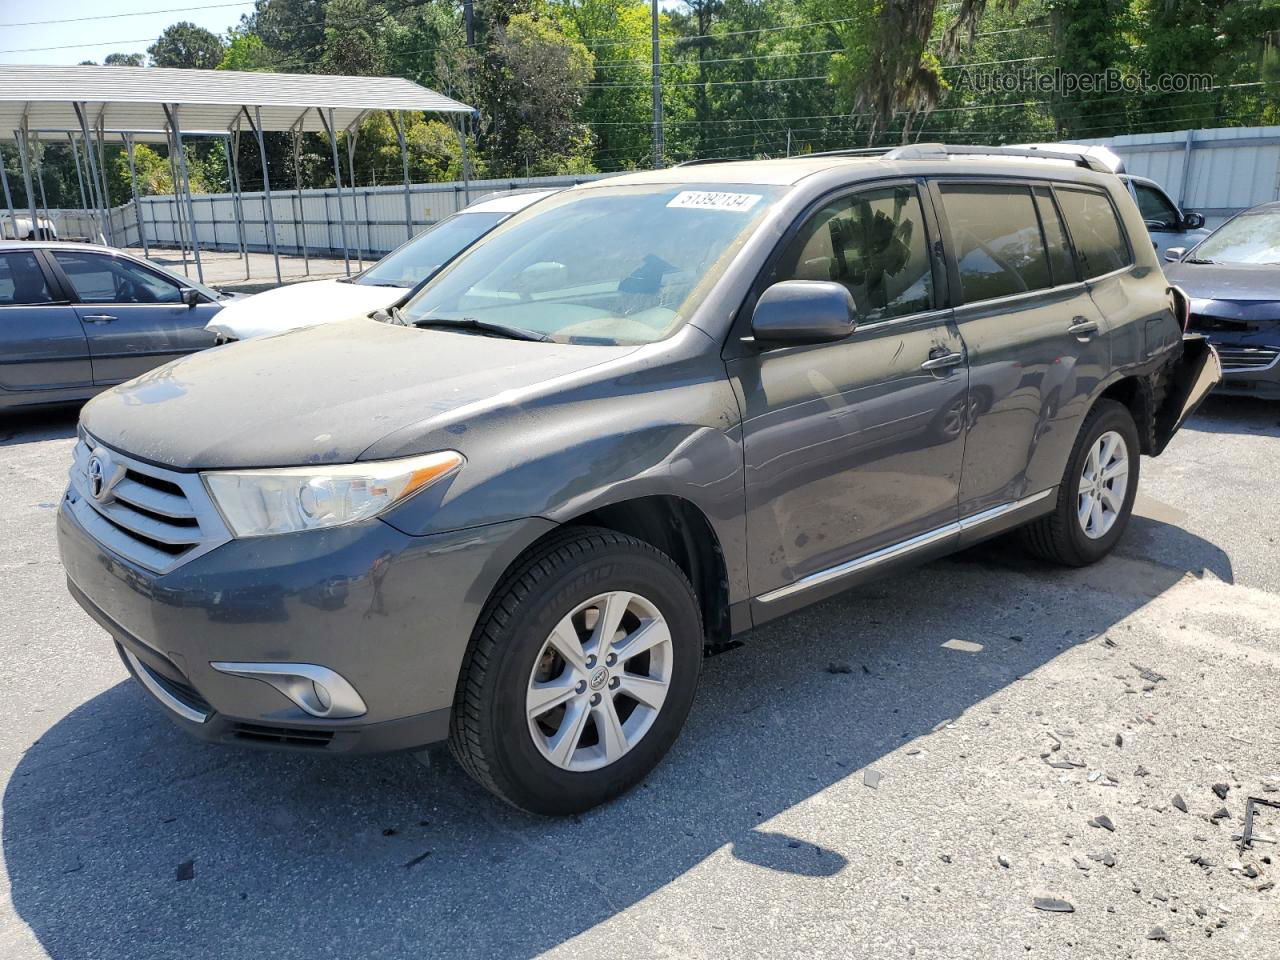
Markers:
<point>133,98</point>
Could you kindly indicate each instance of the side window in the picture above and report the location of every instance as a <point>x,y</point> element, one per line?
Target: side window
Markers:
<point>996,239</point>
<point>1157,209</point>
<point>100,279</point>
<point>1061,262</point>
<point>22,280</point>
<point>872,242</point>
<point>1095,230</point>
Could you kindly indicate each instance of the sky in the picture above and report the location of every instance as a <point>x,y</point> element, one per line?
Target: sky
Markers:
<point>131,27</point>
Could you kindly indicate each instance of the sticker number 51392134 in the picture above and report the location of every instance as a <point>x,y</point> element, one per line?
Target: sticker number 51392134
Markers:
<point>714,200</point>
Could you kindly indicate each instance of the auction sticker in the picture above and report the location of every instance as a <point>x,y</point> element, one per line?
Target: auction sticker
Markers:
<point>713,200</point>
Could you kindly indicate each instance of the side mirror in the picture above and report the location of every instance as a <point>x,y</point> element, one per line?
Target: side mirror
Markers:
<point>803,311</point>
<point>1174,254</point>
<point>192,297</point>
<point>1192,221</point>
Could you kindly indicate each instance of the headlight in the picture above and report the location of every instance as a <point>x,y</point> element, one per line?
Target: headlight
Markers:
<point>258,503</point>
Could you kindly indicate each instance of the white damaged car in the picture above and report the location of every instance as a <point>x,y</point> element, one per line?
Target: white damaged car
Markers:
<point>382,285</point>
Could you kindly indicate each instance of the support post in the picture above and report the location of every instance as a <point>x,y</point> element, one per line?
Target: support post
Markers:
<point>302,203</point>
<point>75,158</point>
<point>137,201</point>
<point>8,199</point>
<point>172,112</point>
<point>91,167</point>
<point>38,162</point>
<point>177,217</point>
<point>106,191</point>
<point>231,189</point>
<point>466,163</point>
<point>332,130</point>
<point>256,123</point>
<point>397,122</point>
<point>355,200</point>
<point>24,159</point>
<point>658,145</point>
<point>238,189</point>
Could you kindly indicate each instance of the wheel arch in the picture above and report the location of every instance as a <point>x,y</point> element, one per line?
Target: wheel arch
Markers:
<point>1140,396</point>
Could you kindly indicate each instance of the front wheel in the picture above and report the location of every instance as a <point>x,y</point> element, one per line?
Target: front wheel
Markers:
<point>580,673</point>
<point>1095,498</point>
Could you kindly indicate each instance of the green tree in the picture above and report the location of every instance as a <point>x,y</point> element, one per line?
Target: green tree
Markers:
<point>354,42</point>
<point>246,51</point>
<point>125,60</point>
<point>186,45</point>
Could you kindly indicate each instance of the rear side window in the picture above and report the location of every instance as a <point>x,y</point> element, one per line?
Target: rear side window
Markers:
<point>1095,230</point>
<point>996,240</point>
<point>874,244</point>
<point>21,280</point>
<point>1055,238</point>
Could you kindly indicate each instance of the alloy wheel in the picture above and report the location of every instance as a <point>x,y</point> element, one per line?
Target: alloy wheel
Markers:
<point>1103,484</point>
<point>599,681</point>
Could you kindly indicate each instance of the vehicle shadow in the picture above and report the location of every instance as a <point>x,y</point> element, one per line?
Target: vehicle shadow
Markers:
<point>109,812</point>
<point>46,423</point>
<point>1231,414</point>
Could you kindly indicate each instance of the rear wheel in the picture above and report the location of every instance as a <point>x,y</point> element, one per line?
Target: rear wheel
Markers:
<point>580,673</point>
<point>1095,498</point>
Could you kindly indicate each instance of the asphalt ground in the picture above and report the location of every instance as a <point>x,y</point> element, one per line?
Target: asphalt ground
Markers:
<point>901,771</point>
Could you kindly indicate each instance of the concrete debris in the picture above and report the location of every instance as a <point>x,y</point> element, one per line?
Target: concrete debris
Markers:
<point>1158,933</point>
<point>871,777</point>
<point>1103,821</point>
<point>1052,905</point>
<point>1221,790</point>
<point>1146,673</point>
<point>1178,802</point>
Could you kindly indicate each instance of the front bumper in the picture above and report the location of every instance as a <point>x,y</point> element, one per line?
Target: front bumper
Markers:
<point>1250,368</point>
<point>390,613</point>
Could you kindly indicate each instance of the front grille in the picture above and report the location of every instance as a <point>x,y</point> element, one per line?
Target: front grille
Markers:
<point>182,692</point>
<point>151,516</point>
<point>1248,358</point>
<point>1205,324</point>
<point>282,736</point>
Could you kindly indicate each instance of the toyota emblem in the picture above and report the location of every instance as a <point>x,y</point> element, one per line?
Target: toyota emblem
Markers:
<point>97,478</point>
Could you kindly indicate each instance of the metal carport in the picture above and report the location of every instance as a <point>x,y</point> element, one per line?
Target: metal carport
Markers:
<point>95,102</point>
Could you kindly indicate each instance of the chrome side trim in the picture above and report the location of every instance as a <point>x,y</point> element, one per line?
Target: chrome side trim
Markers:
<point>318,690</point>
<point>892,552</point>
<point>144,676</point>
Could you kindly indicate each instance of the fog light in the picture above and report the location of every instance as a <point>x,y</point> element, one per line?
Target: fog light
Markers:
<point>318,690</point>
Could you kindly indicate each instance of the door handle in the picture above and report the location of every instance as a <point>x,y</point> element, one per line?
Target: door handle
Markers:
<point>1082,327</point>
<point>943,361</point>
<point>98,318</point>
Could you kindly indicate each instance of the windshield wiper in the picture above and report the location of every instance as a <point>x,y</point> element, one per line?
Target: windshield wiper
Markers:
<point>1197,260</point>
<point>400,286</point>
<point>470,323</point>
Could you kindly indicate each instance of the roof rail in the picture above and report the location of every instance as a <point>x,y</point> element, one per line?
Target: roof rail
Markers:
<point>932,151</point>
<point>698,161</point>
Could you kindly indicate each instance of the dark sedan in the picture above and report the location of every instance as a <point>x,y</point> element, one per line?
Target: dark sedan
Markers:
<point>1233,280</point>
<point>76,318</point>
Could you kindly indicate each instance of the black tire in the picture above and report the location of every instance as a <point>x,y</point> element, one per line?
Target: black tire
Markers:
<point>1058,536</point>
<point>489,732</point>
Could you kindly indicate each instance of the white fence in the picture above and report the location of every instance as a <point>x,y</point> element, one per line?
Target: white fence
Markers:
<point>1215,172</point>
<point>374,216</point>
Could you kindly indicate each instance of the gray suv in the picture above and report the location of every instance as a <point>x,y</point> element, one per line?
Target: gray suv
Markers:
<point>634,421</point>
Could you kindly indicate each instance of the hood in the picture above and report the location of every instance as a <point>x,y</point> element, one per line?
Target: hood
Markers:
<point>300,305</point>
<point>322,394</point>
<point>1236,291</point>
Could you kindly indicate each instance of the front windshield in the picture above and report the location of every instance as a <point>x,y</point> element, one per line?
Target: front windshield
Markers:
<point>1250,238</point>
<point>412,262</point>
<point>614,265</point>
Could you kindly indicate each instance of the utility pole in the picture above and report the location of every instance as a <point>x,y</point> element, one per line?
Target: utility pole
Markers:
<point>658,145</point>
<point>468,15</point>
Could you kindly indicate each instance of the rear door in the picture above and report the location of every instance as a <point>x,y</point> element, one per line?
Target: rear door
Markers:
<point>42,345</point>
<point>853,447</point>
<point>134,317</point>
<point>1036,340</point>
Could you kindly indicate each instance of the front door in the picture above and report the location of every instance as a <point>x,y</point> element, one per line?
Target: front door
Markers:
<point>853,447</point>
<point>1037,342</point>
<point>42,346</point>
<point>134,317</point>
